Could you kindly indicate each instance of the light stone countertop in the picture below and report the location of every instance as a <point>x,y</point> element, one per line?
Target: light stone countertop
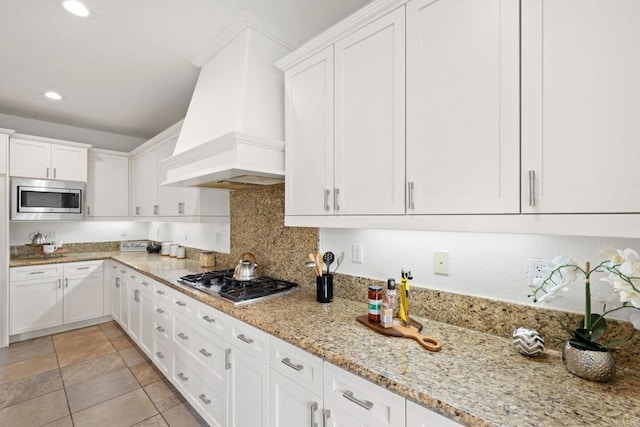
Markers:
<point>476,379</point>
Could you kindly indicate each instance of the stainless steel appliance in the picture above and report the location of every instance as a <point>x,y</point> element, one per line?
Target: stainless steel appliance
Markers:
<point>42,199</point>
<point>239,292</point>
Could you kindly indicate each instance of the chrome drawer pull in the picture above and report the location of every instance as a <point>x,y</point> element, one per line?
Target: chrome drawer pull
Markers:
<point>209,319</point>
<point>205,353</point>
<point>37,272</point>
<point>145,283</point>
<point>183,336</point>
<point>314,408</point>
<point>117,282</point>
<point>83,268</point>
<point>287,362</point>
<point>181,303</point>
<point>160,355</point>
<point>241,337</point>
<point>364,404</point>
<point>159,310</point>
<point>326,414</point>
<point>160,292</point>
<point>182,377</point>
<point>160,329</point>
<point>532,188</point>
<point>203,397</point>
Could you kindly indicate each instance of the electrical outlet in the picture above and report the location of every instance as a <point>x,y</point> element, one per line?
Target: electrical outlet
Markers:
<point>357,256</point>
<point>536,265</point>
<point>441,263</point>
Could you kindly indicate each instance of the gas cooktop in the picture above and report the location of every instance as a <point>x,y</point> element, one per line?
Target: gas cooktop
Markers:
<point>240,292</point>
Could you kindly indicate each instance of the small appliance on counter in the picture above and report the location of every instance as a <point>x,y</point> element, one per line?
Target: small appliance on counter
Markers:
<point>239,292</point>
<point>153,248</point>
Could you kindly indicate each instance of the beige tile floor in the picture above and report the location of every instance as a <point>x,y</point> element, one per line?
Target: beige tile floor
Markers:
<point>94,376</point>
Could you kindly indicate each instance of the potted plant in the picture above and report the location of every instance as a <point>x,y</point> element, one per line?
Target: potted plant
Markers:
<point>584,353</point>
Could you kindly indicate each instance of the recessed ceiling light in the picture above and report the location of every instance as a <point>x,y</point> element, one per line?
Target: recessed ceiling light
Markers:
<point>76,7</point>
<point>53,95</point>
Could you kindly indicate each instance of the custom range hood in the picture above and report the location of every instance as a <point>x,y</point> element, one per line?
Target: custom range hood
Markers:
<point>233,132</point>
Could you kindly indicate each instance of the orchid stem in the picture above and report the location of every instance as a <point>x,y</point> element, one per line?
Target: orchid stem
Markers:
<point>587,297</point>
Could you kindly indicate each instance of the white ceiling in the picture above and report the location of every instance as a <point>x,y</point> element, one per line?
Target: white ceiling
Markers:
<point>126,69</point>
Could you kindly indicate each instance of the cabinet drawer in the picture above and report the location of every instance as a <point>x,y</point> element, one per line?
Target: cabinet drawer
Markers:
<point>212,320</point>
<point>162,356</point>
<point>162,292</point>
<point>250,340</point>
<point>183,304</point>
<point>161,322</point>
<point>82,268</point>
<point>183,335</point>
<point>35,272</point>
<point>363,400</point>
<point>146,284</point>
<point>299,366</point>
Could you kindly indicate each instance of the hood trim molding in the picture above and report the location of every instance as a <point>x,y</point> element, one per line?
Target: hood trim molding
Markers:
<point>226,158</point>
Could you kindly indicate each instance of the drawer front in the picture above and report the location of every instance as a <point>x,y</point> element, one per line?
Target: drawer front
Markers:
<point>184,375</point>
<point>362,399</point>
<point>212,320</point>
<point>183,304</point>
<point>183,335</point>
<point>146,284</point>
<point>36,272</point>
<point>299,366</point>
<point>82,268</point>
<point>162,356</point>
<point>250,340</point>
<point>162,292</point>
<point>162,327</point>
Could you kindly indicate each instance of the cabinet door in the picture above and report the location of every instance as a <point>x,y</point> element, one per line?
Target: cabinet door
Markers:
<point>337,418</point>
<point>309,136</point>
<point>292,405</point>
<point>68,163</point>
<point>144,201</point>
<point>580,109</point>
<point>108,185</point>
<point>4,150</point>
<point>249,388</point>
<point>175,201</point>
<point>35,304</point>
<point>369,158</point>
<point>462,107</point>
<point>83,297</point>
<point>419,416</point>
<point>30,159</point>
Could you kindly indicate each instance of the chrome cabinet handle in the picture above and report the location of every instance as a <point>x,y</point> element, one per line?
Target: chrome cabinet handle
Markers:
<point>47,172</point>
<point>88,210</point>
<point>156,209</point>
<point>241,337</point>
<point>327,193</point>
<point>136,295</point>
<point>117,282</point>
<point>227,359</point>
<point>532,188</point>
<point>183,377</point>
<point>362,403</point>
<point>160,329</point>
<point>37,272</point>
<point>83,268</point>
<point>160,355</point>
<point>181,303</point>
<point>181,208</point>
<point>204,399</point>
<point>159,310</point>
<point>54,172</point>
<point>326,414</point>
<point>205,353</point>
<point>314,408</point>
<point>66,283</point>
<point>145,283</point>
<point>59,283</point>
<point>209,319</point>
<point>137,210</point>
<point>336,193</point>
<point>288,362</point>
<point>183,336</point>
<point>160,292</point>
<point>410,188</point>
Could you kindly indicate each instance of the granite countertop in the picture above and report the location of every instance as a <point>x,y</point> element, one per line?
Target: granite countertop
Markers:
<point>476,379</point>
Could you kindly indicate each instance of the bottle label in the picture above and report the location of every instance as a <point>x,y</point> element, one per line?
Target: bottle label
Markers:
<point>374,306</point>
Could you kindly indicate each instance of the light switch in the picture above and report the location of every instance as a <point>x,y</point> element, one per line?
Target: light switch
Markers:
<point>441,263</point>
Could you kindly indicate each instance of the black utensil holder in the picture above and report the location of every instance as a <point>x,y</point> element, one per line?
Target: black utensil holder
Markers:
<point>324,288</point>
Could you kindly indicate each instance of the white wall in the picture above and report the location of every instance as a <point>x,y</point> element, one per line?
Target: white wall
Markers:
<point>106,140</point>
<point>481,264</point>
<point>212,236</point>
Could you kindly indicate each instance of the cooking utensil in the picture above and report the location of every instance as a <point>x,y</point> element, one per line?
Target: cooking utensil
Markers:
<point>312,259</point>
<point>247,267</point>
<point>340,259</point>
<point>320,263</point>
<point>328,258</point>
<point>401,331</point>
<point>37,238</point>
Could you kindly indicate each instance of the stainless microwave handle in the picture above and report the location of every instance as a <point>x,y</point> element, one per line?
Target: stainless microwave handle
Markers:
<point>47,172</point>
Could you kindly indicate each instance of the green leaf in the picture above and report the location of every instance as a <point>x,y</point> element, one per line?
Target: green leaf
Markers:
<point>588,345</point>
<point>598,326</point>
<point>616,343</point>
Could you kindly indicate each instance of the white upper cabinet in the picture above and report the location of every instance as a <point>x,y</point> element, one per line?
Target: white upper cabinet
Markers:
<point>580,109</point>
<point>144,184</point>
<point>462,106</point>
<point>309,135</point>
<point>108,184</point>
<point>175,201</point>
<point>369,157</point>
<point>39,158</point>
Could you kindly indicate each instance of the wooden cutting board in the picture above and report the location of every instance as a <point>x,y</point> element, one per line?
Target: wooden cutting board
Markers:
<point>402,331</point>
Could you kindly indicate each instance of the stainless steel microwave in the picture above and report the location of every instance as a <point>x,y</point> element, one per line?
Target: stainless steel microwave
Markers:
<point>43,199</point>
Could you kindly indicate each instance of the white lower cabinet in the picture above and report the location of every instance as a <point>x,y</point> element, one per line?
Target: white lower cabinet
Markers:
<point>52,295</point>
<point>419,416</point>
<point>249,388</point>
<point>292,405</point>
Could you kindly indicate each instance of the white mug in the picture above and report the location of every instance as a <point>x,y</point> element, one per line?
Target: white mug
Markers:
<point>48,249</point>
<point>57,244</point>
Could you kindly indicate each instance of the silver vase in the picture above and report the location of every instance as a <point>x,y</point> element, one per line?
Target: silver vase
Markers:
<point>599,366</point>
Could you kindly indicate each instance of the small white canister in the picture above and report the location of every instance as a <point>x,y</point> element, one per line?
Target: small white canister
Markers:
<point>173,250</point>
<point>165,248</point>
<point>182,252</point>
